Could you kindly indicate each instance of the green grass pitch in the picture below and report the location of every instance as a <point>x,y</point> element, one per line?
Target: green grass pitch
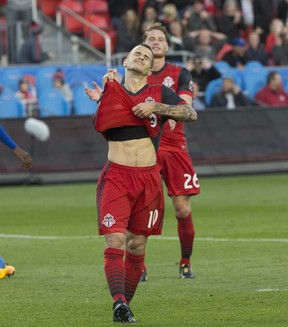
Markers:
<point>240,258</point>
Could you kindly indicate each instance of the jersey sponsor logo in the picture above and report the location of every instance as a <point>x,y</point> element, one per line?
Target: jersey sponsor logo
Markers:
<point>108,220</point>
<point>168,81</point>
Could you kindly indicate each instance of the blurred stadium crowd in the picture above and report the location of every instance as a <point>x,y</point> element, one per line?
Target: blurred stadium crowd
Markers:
<point>239,48</point>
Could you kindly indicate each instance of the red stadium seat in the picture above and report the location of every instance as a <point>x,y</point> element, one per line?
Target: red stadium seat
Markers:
<point>95,7</point>
<point>141,4</point>
<point>96,39</point>
<point>49,7</point>
<point>72,24</point>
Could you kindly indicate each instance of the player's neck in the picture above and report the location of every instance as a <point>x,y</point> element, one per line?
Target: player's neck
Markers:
<point>134,84</point>
<point>158,63</point>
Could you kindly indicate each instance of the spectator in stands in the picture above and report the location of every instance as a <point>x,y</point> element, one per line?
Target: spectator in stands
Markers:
<point>200,18</point>
<point>118,8</point>
<point>149,15</point>
<point>247,13</point>
<point>60,84</point>
<point>198,102</point>
<point>169,15</point>
<point>263,13</point>
<point>204,43</point>
<point>274,36</point>
<point>256,50</point>
<point>202,72</point>
<point>17,11</point>
<point>128,31</point>
<point>31,51</point>
<point>27,96</point>
<point>273,94</point>
<point>282,11</point>
<point>231,21</point>
<point>236,57</point>
<point>176,36</point>
<point>230,96</point>
<point>279,52</point>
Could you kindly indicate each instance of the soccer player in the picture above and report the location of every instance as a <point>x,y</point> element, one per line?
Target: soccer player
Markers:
<point>20,153</point>
<point>7,270</point>
<point>130,201</point>
<point>173,159</point>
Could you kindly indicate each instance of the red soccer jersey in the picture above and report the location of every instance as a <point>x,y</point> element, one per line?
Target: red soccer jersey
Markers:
<point>178,79</point>
<point>116,104</point>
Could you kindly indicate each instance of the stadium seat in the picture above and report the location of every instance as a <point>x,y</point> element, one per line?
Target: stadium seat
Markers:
<point>82,103</point>
<point>51,102</point>
<point>222,66</point>
<point>96,39</point>
<point>49,7</point>
<point>72,24</point>
<point>95,7</point>
<point>10,106</point>
<point>44,78</point>
<point>213,87</point>
<point>254,78</point>
<point>10,78</point>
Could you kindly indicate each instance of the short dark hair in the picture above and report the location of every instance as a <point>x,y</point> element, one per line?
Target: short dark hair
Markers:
<point>271,76</point>
<point>148,47</point>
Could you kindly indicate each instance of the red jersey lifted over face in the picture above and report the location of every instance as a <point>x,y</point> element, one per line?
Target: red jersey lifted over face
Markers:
<point>115,109</point>
<point>178,79</point>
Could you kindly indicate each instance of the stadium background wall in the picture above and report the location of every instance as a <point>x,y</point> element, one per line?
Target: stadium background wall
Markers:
<point>221,142</point>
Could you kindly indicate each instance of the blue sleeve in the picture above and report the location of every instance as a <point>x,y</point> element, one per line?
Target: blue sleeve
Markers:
<point>6,139</point>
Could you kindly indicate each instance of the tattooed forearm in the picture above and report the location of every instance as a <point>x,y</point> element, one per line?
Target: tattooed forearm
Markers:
<point>182,112</point>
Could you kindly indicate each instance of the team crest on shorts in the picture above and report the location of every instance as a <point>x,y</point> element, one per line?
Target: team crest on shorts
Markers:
<point>108,220</point>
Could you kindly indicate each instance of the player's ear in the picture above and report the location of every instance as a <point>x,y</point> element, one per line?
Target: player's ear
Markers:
<point>125,62</point>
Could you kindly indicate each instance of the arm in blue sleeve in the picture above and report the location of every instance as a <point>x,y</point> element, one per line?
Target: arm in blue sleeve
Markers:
<point>6,139</point>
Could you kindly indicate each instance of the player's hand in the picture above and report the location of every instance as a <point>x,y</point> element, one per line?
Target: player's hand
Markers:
<point>143,110</point>
<point>111,75</point>
<point>94,94</point>
<point>24,156</point>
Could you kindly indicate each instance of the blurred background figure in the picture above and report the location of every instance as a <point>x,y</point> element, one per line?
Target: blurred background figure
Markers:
<point>199,18</point>
<point>31,51</point>
<point>256,50</point>
<point>230,96</point>
<point>236,57</point>
<point>202,72</point>
<point>205,43</point>
<point>60,84</point>
<point>128,31</point>
<point>19,16</point>
<point>273,93</point>
<point>231,22</point>
<point>279,53</point>
<point>149,15</point>
<point>198,102</point>
<point>273,37</point>
<point>27,95</point>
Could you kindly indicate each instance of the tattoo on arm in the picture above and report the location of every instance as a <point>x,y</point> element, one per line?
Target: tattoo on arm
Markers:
<point>181,112</point>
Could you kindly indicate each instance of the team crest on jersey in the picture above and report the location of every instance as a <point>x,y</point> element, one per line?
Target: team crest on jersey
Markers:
<point>168,81</point>
<point>108,220</point>
<point>149,99</point>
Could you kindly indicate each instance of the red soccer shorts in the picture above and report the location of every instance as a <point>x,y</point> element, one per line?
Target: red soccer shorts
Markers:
<point>130,198</point>
<point>178,173</point>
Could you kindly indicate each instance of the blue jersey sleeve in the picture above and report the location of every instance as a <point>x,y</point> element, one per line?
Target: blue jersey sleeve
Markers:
<point>6,139</point>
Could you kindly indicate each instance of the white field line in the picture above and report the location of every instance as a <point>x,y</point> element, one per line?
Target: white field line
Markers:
<point>159,238</point>
<point>272,290</point>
